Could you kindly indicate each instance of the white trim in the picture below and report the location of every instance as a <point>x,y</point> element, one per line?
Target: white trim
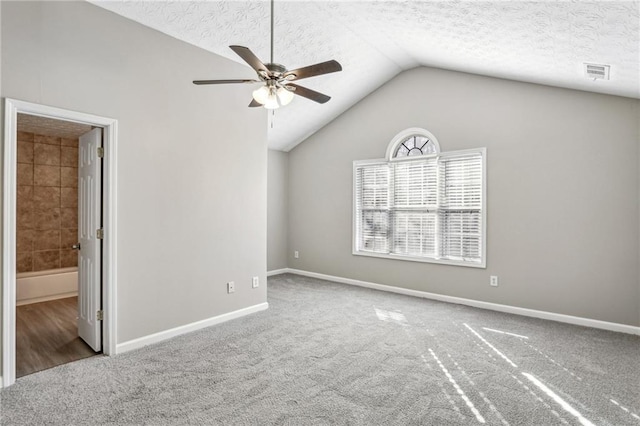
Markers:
<point>412,131</point>
<point>277,272</point>
<point>551,316</point>
<point>110,241</point>
<point>187,328</point>
<point>110,126</point>
<point>420,259</point>
<point>8,244</point>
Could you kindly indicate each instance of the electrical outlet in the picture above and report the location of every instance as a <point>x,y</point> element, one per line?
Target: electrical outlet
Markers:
<point>231,287</point>
<point>493,281</point>
<point>296,254</point>
<point>255,282</point>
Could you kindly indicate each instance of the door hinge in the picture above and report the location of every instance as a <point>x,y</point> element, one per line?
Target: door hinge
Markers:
<point>100,152</point>
<point>100,234</point>
<point>100,315</point>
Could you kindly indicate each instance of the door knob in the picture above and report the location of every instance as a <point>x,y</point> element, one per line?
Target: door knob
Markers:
<point>76,246</point>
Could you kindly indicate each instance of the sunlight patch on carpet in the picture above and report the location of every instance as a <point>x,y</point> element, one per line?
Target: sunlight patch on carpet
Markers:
<point>505,332</point>
<point>564,404</point>
<point>467,401</point>
<point>389,316</point>
<point>491,346</point>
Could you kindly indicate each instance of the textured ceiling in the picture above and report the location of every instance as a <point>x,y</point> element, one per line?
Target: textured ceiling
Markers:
<point>543,42</point>
<point>51,127</point>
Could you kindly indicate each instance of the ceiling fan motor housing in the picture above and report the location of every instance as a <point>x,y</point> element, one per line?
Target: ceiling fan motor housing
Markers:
<point>276,70</point>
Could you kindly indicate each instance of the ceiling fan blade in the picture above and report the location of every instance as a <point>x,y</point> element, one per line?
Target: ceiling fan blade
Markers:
<point>251,59</point>
<point>199,82</point>
<point>310,94</point>
<point>314,70</point>
<point>254,104</point>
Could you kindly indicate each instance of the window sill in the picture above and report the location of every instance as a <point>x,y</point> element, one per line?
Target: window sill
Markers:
<point>481,265</point>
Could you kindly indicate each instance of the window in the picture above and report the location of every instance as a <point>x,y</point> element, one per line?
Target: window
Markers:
<point>421,204</point>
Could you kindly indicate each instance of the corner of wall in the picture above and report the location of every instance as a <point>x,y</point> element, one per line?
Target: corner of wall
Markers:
<point>277,209</point>
<point>2,108</point>
<point>637,107</point>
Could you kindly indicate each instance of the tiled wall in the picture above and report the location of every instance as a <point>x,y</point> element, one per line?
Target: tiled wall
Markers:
<point>47,202</point>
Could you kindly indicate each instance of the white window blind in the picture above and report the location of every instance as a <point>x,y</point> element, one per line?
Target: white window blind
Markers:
<point>461,207</point>
<point>372,187</point>
<point>428,209</point>
<point>415,201</point>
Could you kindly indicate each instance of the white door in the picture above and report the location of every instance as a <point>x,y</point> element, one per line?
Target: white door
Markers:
<point>89,254</point>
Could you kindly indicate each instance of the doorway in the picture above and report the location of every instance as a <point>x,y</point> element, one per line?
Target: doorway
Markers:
<point>95,235</point>
<point>48,273</point>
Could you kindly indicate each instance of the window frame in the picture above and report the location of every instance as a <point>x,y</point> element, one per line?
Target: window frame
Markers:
<point>390,162</point>
<point>407,133</point>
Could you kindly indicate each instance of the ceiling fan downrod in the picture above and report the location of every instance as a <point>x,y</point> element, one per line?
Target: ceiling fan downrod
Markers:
<point>272,1</point>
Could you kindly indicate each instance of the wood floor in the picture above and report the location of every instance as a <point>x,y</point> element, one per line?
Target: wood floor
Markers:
<point>47,336</point>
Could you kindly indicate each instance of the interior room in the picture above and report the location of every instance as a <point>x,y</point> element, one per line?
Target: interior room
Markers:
<point>323,212</point>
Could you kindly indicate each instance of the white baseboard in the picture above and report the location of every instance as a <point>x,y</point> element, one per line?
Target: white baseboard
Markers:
<point>277,272</point>
<point>585,322</point>
<point>187,328</point>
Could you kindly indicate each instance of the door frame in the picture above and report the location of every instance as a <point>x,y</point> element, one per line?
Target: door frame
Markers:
<point>109,277</point>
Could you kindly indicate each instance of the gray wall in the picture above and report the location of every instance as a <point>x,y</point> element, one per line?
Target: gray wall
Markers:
<point>191,160</point>
<point>562,191</point>
<point>277,209</point>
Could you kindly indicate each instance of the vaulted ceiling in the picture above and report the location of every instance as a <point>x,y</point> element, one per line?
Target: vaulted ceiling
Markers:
<point>545,42</point>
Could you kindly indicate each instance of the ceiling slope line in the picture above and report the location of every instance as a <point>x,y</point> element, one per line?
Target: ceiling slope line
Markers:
<point>409,62</point>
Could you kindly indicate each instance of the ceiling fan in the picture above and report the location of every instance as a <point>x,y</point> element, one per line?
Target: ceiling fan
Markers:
<point>278,87</point>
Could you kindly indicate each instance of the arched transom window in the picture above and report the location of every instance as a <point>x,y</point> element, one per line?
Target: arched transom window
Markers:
<point>412,142</point>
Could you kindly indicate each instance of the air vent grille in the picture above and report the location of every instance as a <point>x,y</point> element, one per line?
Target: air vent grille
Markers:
<point>596,71</point>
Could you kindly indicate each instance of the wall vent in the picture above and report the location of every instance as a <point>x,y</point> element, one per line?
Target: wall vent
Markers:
<point>596,71</point>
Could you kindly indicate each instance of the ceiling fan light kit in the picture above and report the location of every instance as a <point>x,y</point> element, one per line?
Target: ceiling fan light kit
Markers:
<point>272,96</point>
<point>278,87</point>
